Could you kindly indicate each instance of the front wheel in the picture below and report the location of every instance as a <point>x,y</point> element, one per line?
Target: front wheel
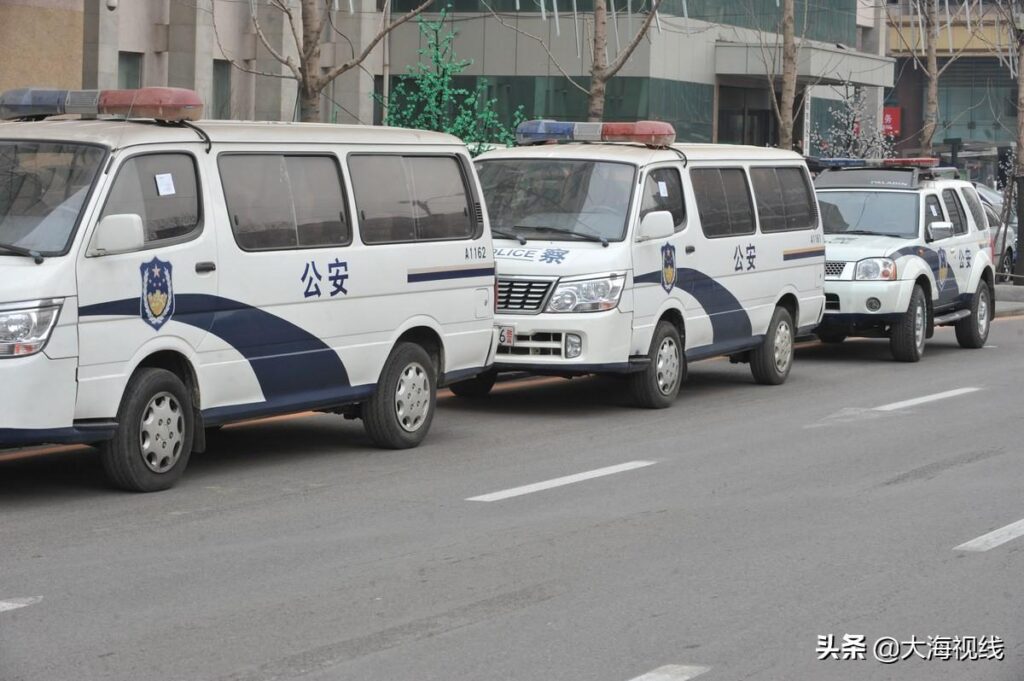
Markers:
<point>657,386</point>
<point>770,363</point>
<point>972,331</point>
<point>153,442</point>
<point>478,386</point>
<point>398,414</point>
<point>906,340</point>
<point>1006,267</point>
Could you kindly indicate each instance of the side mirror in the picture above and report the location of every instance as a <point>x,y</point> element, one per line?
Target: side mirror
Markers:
<point>937,231</point>
<point>118,234</point>
<point>658,224</point>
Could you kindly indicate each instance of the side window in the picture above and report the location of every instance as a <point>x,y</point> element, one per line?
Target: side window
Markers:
<point>279,202</point>
<point>993,217</point>
<point>163,190</point>
<point>664,191</point>
<point>932,210</point>
<point>955,210</point>
<point>410,198</point>
<point>784,199</point>
<point>974,205</point>
<point>723,201</point>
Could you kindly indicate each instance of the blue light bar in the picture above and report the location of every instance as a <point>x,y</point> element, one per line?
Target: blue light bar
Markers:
<point>843,162</point>
<point>27,102</point>
<point>533,132</point>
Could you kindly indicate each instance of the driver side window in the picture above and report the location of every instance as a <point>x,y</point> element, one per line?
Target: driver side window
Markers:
<point>932,210</point>
<point>664,191</point>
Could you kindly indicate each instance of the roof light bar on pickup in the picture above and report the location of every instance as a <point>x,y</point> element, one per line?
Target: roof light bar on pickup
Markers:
<point>921,162</point>
<point>650,133</point>
<point>160,103</point>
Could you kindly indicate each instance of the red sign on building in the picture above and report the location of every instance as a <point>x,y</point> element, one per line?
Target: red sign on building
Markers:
<point>891,121</point>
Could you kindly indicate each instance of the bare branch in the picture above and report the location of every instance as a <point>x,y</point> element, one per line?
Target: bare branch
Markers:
<point>356,61</point>
<point>287,61</point>
<point>282,6</point>
<point>231,60</point>
<point>540,41</point>
<point>624,56</point>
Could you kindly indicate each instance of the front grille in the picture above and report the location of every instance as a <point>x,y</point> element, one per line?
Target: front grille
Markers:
<point>834,268</point>
<point>540,344</point>
<point>832,302</point>
<point>522,295</point>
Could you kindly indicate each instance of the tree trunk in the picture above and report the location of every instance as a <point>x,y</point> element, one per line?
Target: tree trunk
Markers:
<point>598,78</point>
<point>310,85</point>
<point>788,98</point>
<point>1018,166</point>
<point>931,104</point>
<point>309,104</point>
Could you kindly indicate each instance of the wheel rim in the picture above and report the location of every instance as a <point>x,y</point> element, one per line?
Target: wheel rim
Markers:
<point>161,432</point>
<point>919,326</point>
<point>783,346</point>
<point>668,366</point>
<point>983,313</point>
<point>412,397</point>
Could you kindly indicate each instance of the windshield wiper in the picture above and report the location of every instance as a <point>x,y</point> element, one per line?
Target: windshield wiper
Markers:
<point>509,235</point>
<point>568,232</point>
<point>18,250</point>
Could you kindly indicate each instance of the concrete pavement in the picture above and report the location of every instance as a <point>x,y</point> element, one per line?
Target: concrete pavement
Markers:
<point>763,518</point>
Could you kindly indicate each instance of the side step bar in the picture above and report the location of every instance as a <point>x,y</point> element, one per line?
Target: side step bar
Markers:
<point>952,317</point>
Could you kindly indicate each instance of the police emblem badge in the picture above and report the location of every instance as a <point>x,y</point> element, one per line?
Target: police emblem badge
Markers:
<point>668,267</point>
<point>157,302</point>
<point>943,271</point>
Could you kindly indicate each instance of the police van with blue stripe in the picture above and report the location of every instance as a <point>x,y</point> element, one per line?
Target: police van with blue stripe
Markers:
<point>620,252</point>
<point>160,276</point>
<point>908,249</point>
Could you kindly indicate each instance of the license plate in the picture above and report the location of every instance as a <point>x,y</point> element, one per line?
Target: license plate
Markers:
<point>507,336</point>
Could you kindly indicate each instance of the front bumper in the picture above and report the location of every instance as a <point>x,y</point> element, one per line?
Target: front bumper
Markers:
<point>846,303</point>
<point>540,343</point>
<point>37,402</point>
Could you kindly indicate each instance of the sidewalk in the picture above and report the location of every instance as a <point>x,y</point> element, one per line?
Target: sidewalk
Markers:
<point>1009,300</point>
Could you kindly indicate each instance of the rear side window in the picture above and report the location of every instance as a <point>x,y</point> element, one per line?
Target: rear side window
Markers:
<point>162,189</point>
<point>955,210</point>
<point>974,205</point>
<point>723,201</point>
<point>784,199</point>
<point>932,210</point>
<point>664,191</point>
<point>278,202</point>
<point>411,198</point>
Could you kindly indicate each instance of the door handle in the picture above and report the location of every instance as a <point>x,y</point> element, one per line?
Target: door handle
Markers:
<point>205,267</point>
<point>690,249</point>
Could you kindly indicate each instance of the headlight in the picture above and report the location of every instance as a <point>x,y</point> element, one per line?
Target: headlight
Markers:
<point>26,331</point>
<point>876,269</point>
<point>591,295</point>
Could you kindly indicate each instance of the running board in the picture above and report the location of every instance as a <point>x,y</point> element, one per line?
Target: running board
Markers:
<point>952,317</point>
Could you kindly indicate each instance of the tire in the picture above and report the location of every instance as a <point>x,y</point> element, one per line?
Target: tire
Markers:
<point>1006,267</point>
<point>906,340</point>
<point>399,413</point>
<point>972,332</point>
<point>478,386</point>
<point>771,361</point>
<point>657,386</point>
<point>831,337</point>
<point>153,442</point>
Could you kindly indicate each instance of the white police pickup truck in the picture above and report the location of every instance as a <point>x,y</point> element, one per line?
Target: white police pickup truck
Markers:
<point>906,251</point>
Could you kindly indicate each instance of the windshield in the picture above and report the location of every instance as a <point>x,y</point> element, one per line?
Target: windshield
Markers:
<point>43,186</point>
<point>884,213</point>
<point>557,199</point>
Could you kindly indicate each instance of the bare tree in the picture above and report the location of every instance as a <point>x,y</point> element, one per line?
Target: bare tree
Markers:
<point>784,109</point>
<point>306,23</point>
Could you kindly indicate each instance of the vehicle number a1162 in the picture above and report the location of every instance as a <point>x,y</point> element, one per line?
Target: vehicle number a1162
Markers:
<point>476,252</point>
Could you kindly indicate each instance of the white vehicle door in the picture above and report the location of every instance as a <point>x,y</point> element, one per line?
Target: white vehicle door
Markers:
<point>158,295</point>
<point>960,250</point>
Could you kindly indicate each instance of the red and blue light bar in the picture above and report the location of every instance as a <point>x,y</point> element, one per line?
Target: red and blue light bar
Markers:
<point>160,103</point>
<point>650,133</point>
<point>920,162</point>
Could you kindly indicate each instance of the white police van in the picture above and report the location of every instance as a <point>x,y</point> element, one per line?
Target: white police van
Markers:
<point>908,249</point>
<point>620,252</point>
<point>158,278</point>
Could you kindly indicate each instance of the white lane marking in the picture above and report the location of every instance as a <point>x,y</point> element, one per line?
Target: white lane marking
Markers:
<point>673,672</point>
<point>990,347</point>
<point>15,603</point>
<point>558,482</point>
<point>994,538</point>
<point>927,398</point>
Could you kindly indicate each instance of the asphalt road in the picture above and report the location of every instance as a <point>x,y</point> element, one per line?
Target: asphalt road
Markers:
<point>755,520</point>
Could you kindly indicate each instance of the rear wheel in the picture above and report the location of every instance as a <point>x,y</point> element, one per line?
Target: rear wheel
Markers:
<point>153,442</point>
<point>399,413</point>
<point>972,332</point>
<point>906,340</point>
<point>657,386</point>
<point>770,363</point>
<point>478,386</point>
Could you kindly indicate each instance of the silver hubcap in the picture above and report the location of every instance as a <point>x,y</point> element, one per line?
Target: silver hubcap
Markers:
<point>919,326</point>
<point>412,397</point>
<point>161,432</point>
<point>983,313</point>
<point>783,346</point>
<point>668,366</point>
